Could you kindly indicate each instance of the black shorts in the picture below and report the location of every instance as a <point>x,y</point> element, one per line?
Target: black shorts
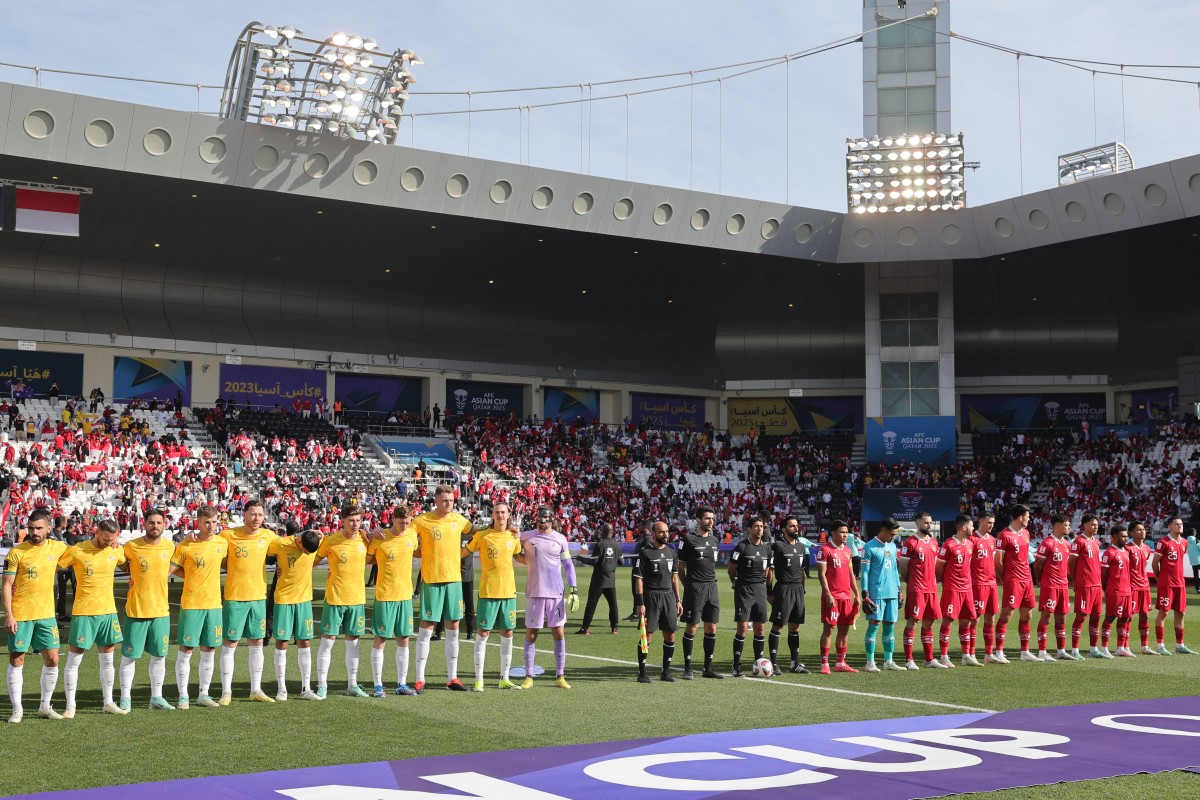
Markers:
<point>750,603</point>
<point>788,608</point>
<point>661,611</point>
<point>700,603</point>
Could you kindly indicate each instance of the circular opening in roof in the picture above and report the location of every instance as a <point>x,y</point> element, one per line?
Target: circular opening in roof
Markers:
<point>543,196</point>
<point>266,158</point>
<point>1155,195</point>
<point>804,233</point>
<point>212,150</point>
<point>157,142</point>
<point>500,192</point>
<point>583,203</point>
<point>951,234</point>
<point>316,165</point>
<point>769,228</point>
<point>1114,203</point>
<point>365,172</point>
<point>700,219</point>
<point>1039,219</point>
<point>1004,227</point>
<point>1194,183</point>
<point>623,209</point>
<point>99,133</point>
<point>907,236</point>
<point>39,124</point>
<point>662,215</point>
<point>735,225</point>
<point>412,179</point>
<point>458,185</point>
<point>1076,212</point>
<point>864,237</point>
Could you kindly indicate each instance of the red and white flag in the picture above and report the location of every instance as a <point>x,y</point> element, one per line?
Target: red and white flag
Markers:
<point>47,211</point>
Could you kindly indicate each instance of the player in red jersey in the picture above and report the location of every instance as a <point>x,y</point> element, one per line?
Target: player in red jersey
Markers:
<point>918,568</point>
<point>1052,560</point>
<point>1114,574</point>
<point>1169,557</point>
<point>1012,564</point>
<point>983,583</point>
<point>958,603</point>
<point>1084,569</point>
<point>1139,583</point>
<point>839,595</point>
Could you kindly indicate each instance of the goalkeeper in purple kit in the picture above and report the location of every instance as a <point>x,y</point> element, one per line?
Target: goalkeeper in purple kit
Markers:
<point>545,553</point>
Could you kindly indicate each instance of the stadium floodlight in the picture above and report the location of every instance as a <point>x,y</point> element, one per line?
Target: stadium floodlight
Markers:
<point>1094,162</point>
<point>342,85</point>
<point>905,172</point>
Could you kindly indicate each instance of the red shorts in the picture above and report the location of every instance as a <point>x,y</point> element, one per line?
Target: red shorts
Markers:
<point>1139,601</point>
<point>1172,598</point>
<point>958,605</point>
<point>987,599</point>
<point>922,606</point>
<point>1018,595</point>
<point>1118,606</point>
<point>841,614</point>
<point>1087,600</point>
<point>1055,599</point>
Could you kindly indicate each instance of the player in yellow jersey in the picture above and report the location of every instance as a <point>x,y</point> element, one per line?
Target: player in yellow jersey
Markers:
<point>439,533</point>
<point>147,624</point>
<point>391,617</point>
<point>198,562</point>
<point>497,547</point>
<point>94,612</point>
<point>293,619</point>
<point>345,598</point>
<point>244,612</point>
<point>29,574</point>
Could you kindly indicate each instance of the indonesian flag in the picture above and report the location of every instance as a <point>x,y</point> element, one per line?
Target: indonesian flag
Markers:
<point>47,211</point>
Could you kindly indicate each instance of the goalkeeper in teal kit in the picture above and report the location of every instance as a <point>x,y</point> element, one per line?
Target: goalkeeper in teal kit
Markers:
<point>880,581</point>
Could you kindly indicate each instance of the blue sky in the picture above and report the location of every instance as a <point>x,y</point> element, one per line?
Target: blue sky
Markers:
<point>675,138</point>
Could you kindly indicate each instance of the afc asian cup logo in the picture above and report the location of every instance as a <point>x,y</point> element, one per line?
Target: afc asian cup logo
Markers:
<point>889,441</point>
<point>460,400</point>
<point>1052,411</point>
<point>910,500</point>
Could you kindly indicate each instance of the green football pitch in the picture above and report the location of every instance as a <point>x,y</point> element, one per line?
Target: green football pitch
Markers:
<point>604,704</point>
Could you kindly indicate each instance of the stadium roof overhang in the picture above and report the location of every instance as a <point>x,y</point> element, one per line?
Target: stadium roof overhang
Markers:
<point>206,231</point>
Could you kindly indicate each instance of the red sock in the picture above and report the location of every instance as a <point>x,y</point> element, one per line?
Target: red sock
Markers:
<point>1144,631</point>
<point>908,645</point>
<point>971,631</point>
<point>927,644</point>
<point>1023,632</point>
<point>1094,631</point>
<point>825,655</point>
<point>1041,634</point>
<point>1160,632</point>
<point>944,641</point>
<point>1060,637</point>
<point>841,654</point>
<point>1106,631</point>
<point>1178,634</point>
<point>989,638</point>
<point>964,642</point>
<point>1123,633</point>
<point>1076,631</point>
<point>1001,630</point>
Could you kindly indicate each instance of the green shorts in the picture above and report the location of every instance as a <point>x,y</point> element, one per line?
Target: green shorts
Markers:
<point>497,614</point>
<point>441,602</point>
<point>294,621</point>
<point>199,627</point>
<point>348,620</point>
<point>35,635</point>
<point>392,619</point>
<point>244,618</point>
<point>98,629</point>
<point>147,634</point>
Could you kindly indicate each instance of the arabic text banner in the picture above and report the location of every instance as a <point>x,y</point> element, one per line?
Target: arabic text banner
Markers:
<point>266,386</point>
<point>484,399</point>
<point>1064,410</point>
<point>570,404</point>
<point>151,379</point>
<point>36,370</point>
<point>783,416</point>
<point>667,411</point>
<point>903,504</point>
<point>916,440</point>
<point>378,393</point>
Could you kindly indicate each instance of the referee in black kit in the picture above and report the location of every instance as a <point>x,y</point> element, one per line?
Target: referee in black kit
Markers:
<point>698,556</point>
<point>750,571</point>
<point>606,554</point>
<point>789,559</point>
<point>656,587</point>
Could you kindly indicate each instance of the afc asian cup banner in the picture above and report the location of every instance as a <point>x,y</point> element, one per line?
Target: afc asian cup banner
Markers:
<point>783,416</point>
<point>29,373</point>
<point>151,379</point>
<point>903,504</point>
<point>916,440</point>
<point>667,411</point>
<point>484,399</point>
<point>377,393</point>
<point>570,404</point>
<point>267,386</point>
<point>1062,410</point>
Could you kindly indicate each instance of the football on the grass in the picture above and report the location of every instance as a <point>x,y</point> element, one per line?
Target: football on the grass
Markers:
<point>763,669</point>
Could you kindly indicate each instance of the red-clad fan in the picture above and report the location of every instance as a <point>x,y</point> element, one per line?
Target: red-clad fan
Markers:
<point>1169,557</point>
<point>918,567</point>
<point>1084,568</point>
<point>1118,601</point>
<point>954,562</point>
<point>1052,561</point>
<point>1012,563</point>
